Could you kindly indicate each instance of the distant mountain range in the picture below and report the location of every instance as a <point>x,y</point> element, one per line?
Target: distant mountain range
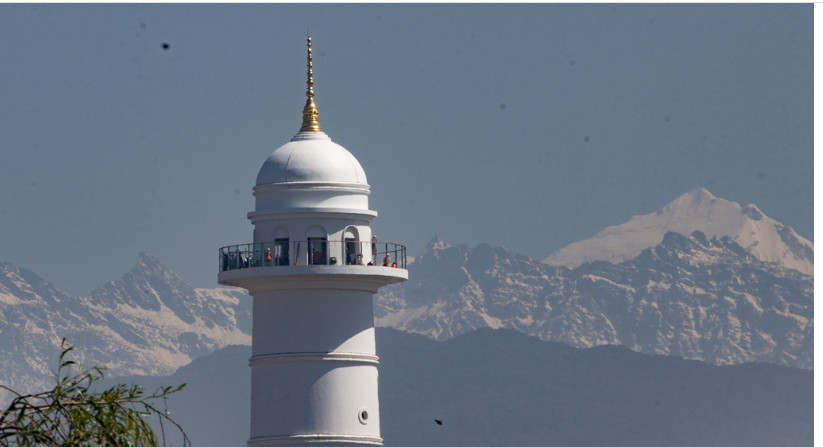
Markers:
<point>501,387</point>
<point>691,295</point>
<point>697,295</point>
<point>148,322</point>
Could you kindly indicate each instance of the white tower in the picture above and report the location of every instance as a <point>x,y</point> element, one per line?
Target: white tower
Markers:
<point>312,271</point>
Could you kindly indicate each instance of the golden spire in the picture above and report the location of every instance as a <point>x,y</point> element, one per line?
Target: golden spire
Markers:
<point>310,113</point>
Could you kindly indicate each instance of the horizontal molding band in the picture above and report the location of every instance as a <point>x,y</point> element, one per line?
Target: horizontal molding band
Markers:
<point>266,214</point>
<point>313,277</point>
<point>314,439</point>
<point>314,186</point>
<point>305,357</point>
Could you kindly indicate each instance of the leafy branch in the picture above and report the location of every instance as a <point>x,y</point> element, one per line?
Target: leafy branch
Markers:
<point>72,414</point>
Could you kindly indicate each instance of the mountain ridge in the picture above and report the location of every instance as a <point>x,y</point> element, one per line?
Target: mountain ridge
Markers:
<point>691,296</point>
<point>697,296</point>
<point>502,387</point>
<point>149,321</point>
<point>697,210</point>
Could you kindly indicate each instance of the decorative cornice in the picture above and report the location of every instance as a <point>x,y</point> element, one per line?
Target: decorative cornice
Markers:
<point>312,357</point>
<point>315,438</point>
<point>357,216</point>
<point>313,185</point>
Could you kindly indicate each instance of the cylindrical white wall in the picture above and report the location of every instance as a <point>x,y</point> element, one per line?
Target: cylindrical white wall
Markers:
<point>313,320</point>
<point>314,400</point>
<point>314,365</point>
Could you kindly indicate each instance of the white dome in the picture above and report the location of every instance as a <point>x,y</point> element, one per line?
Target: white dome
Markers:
<point>311,157</point>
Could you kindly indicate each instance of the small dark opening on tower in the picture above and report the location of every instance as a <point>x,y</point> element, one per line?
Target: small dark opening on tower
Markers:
<point>317,250</point>
<point>351,251</point>
<point>281,249</point>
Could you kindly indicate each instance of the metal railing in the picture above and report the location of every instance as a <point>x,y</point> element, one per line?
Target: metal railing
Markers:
<point>314,251</point>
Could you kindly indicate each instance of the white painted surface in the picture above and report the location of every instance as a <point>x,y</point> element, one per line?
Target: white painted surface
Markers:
<point>314,398</point>
<point>311,156</point>
<point>313,364</point>
<point>313,320</point>
<point>295,195</point>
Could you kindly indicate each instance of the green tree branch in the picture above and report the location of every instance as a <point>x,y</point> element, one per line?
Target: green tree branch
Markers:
<point>72,414</point>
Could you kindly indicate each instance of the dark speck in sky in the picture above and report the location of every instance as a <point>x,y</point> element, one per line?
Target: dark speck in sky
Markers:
<point>166,46</point>
<point>586,139</point>
<point>502,105</point>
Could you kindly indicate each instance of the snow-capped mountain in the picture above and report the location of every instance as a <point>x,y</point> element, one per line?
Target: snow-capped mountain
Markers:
<point>698,210</point>
<point>148,322</point>
<point>723,298</point>
<point>695,296</point>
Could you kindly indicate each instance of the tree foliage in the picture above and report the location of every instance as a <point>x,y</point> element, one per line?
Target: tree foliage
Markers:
<point>73,414</point>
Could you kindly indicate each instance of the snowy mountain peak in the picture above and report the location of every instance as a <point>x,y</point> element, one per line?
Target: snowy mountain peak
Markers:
<point>437,244</point>
<point>150,321</point>
<point>698,210</point>
<point>148,285</point>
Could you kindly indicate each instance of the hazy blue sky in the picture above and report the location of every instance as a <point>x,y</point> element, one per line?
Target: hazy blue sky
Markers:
<point>528,126</point>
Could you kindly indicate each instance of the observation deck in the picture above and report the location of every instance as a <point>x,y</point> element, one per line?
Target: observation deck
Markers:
<point>253,265</point>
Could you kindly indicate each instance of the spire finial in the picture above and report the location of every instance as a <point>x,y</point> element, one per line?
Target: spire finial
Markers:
<point>310,113</point>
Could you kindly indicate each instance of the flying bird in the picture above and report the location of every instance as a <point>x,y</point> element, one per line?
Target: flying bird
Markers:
<point>439,422</point>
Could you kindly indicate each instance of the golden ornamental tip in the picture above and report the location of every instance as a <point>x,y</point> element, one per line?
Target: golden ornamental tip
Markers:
<point>310,113</point>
